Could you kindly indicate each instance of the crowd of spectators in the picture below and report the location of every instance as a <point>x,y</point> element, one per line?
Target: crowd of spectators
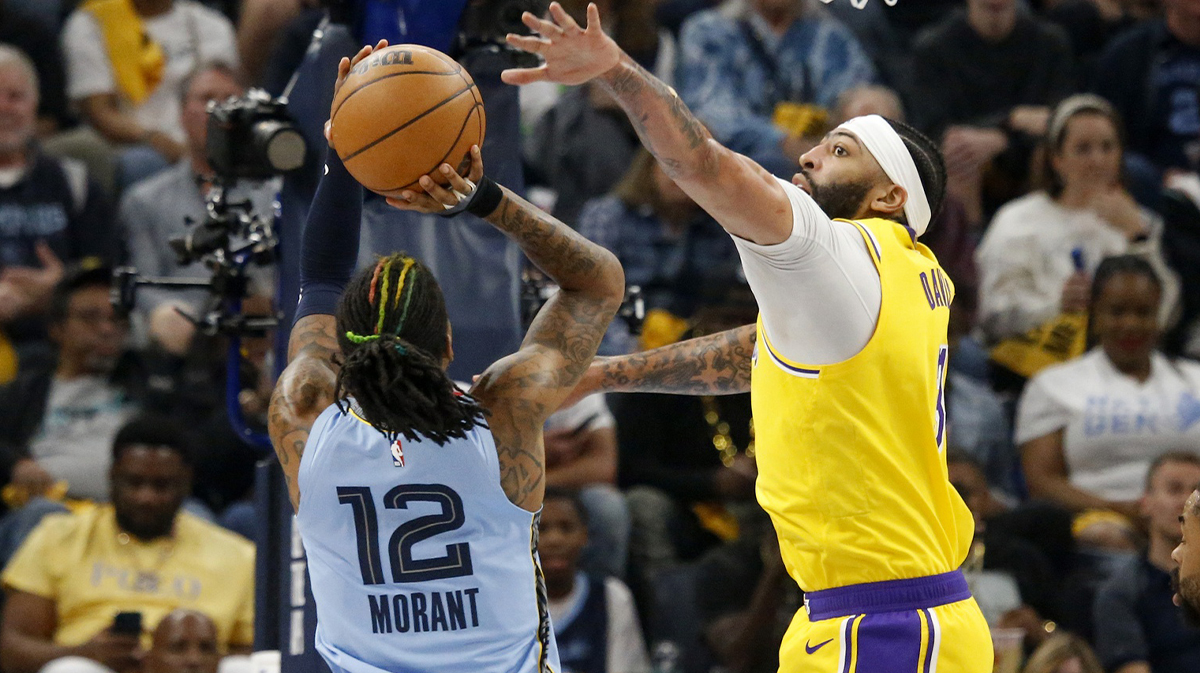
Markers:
<point>1071,133</point>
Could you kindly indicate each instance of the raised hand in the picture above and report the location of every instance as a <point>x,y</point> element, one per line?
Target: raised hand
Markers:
<point>571,54</point>
<point>344,68</point>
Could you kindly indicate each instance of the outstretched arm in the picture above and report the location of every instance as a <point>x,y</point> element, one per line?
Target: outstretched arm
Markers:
<point>328,255</point>
<point>522,390</point>
<point>717,364</point>
<point>741,195</point>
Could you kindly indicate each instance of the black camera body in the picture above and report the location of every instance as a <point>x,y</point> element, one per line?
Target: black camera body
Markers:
<point>252,137</point>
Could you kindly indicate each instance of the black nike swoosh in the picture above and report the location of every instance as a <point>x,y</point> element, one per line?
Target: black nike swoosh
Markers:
<point>810,649</point>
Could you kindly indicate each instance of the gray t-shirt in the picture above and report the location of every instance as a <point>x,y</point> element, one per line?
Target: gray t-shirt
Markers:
<point>74,443</point>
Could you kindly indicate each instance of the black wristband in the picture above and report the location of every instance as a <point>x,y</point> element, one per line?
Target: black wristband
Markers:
<point>482,201</point>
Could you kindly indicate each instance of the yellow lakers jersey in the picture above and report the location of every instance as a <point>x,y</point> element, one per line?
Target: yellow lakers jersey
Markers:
<point>851,460</point>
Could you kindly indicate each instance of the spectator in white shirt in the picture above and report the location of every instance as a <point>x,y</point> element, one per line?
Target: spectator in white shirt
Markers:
<point>1028,273</point>
<point>147,131</point>
<point>1089,428</point>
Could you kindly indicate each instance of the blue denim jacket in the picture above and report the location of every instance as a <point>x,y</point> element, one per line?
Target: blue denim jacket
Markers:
<point>727,79</point>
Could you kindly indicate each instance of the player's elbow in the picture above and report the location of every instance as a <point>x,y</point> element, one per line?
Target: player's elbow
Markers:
<point>610,278</point>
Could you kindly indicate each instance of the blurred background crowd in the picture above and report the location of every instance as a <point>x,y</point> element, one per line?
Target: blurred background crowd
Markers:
<point>1071,132</point>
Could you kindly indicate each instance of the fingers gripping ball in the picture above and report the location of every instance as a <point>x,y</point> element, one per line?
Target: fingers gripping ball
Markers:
<point>402,112</point>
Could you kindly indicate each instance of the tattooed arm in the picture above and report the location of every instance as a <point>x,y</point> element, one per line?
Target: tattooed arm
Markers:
<point>302,392</point>
<point>741,195</point>
<point>522,390</point>
<point>717,364</point>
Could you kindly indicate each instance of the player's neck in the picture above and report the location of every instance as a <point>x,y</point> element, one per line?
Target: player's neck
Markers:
<point>1159,552</point>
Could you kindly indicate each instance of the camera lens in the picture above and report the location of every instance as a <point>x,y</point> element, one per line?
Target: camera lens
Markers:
<point>281,144</point>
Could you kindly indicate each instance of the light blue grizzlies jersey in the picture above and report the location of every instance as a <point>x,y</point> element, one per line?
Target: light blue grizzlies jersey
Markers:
<point>419,562</point>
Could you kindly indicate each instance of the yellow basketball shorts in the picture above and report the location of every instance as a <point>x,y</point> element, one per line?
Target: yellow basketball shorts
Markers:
<point>905,626</point>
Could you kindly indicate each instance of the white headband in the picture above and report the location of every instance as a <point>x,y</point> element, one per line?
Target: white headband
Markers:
<point>882,141</point>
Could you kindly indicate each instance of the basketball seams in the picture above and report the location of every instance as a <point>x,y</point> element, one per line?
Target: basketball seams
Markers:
<point>439,73</point>
<point>461,130</point>
<point>478,106</point>
<point>445,101</point>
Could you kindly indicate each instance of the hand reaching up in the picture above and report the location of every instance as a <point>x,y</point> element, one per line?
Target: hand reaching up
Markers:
<point>572,55</point>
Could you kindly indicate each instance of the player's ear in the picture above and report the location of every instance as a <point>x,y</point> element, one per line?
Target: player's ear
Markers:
<point>449,347</point>
<point>889,200</point>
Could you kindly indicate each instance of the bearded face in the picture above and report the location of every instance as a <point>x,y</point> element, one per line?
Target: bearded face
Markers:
<point>1188,589</point>
<point>839,200</point>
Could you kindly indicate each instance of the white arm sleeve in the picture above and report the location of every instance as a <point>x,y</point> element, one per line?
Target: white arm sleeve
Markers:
<point>818,291</point>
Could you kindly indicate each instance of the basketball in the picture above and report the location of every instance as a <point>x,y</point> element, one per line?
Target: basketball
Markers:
<point>402,112</point>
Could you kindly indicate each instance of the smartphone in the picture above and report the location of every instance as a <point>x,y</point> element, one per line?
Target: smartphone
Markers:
<point>127,623</point>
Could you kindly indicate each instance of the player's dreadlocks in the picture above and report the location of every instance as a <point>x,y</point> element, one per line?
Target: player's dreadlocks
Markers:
<point>930,165</point>
<point>391,326</point>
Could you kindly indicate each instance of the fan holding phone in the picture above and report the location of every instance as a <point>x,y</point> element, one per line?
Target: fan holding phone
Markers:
<point>95,583</point>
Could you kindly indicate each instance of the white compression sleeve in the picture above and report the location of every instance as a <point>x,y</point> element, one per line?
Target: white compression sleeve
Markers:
<point>818,291</point>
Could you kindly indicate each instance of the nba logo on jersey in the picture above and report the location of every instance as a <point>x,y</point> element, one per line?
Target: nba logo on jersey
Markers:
<point>397,454</point>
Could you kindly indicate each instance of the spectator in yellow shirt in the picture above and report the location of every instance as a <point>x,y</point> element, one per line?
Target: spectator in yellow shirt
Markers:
<point>76,572</point>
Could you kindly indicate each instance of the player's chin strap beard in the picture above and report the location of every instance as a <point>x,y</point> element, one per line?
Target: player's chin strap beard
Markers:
<point>882,141</point>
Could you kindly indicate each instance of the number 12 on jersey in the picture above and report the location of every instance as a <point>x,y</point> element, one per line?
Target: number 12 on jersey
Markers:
<point>456,562</point>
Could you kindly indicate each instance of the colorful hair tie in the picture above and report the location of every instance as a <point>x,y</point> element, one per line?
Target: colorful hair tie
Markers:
<point>360,339</point>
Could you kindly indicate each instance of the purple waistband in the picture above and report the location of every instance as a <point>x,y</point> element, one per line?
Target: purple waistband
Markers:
<point>890,596</point>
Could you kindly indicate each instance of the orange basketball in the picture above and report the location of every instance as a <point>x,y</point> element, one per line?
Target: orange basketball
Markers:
<point>402,112</point>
